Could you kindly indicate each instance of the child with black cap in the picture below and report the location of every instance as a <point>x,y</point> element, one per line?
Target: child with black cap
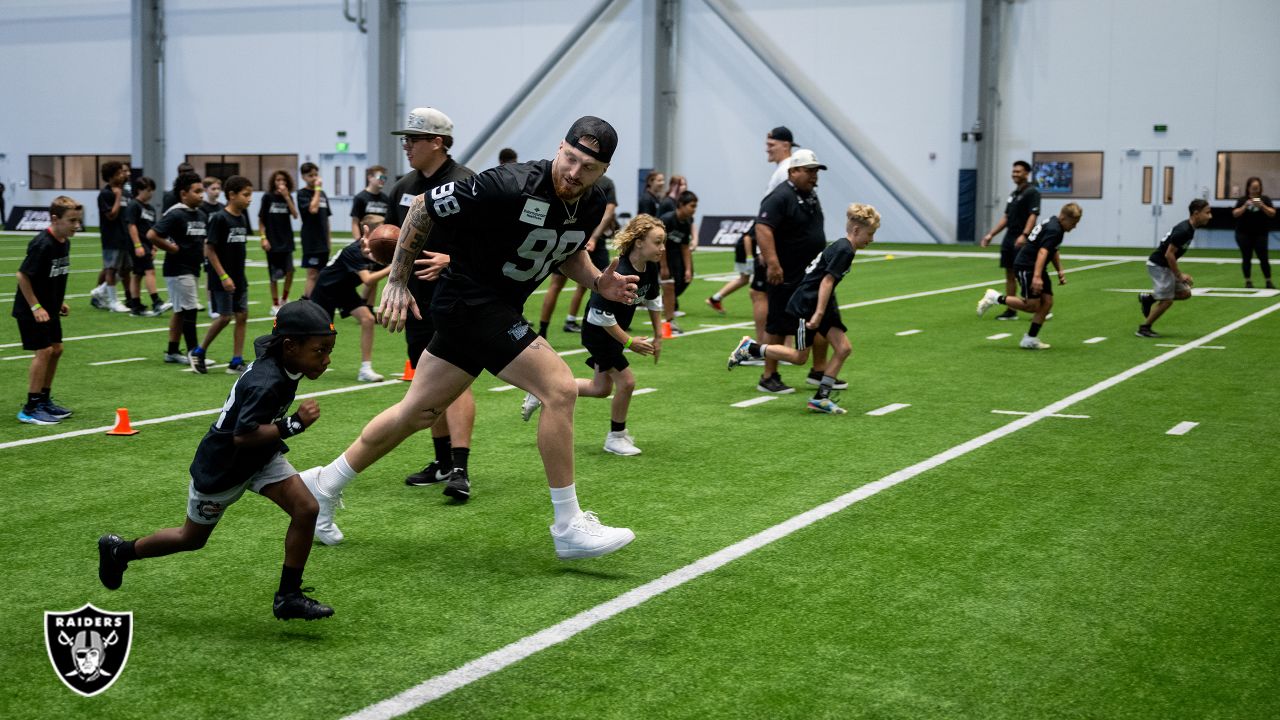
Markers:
<point>244,449</point>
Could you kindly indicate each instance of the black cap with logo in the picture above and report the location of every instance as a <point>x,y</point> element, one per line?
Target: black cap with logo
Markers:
<point>598,129</point>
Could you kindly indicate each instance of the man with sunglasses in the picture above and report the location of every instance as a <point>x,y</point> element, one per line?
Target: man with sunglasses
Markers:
<point>371,200</point>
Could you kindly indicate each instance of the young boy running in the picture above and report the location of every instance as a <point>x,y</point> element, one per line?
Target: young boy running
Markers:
<point>1031,266</point>
<point>39,306</point>
<point>317,244</point>
<point>813,309</point>
<point>1169,283</point>
<point>228,233</point>
<point>181,233</point>
<point>139,218</point>
<point>244,449</point>
<point>606,332</point>
<point>337,290</point>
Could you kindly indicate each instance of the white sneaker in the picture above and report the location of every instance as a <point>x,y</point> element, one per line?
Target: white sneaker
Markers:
<point>274,309</point>
<point>529,406</point>
<point>586,537</point>
<point>988,300</point>
<point>119,307</point>
<point>326,531</point>
<point>1033,343</point>
<point>620,443</point>
<point>98,298</point>
<point>368,375</point>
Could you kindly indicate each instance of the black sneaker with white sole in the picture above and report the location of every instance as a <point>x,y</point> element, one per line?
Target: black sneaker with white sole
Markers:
<point>773,384</point>
<point>110,568</point>
<point>430,475</point>
<point>1008,315</point>
<point>458,486</point>
<point>815,378</point>
<point>197,362</point>
<point>1147,332</point>
<point>297,606</point>
<point>1146,300</point>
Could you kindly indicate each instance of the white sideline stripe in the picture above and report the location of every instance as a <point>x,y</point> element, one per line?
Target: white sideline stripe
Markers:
<point>497,660</point>
<point>891,407</point>
<point>113,362</point>
<point>502,388</point>
<point>908,332</point>
<point>1182,428</point>
<point>1094,340</point>
<point>183,416</point>
<point>644,391</point>
<point>755,401</point>
<point>1020,412</point>
<point>998,336</point>
<point>132,332</point>
<point>1073,256</point>
<point>18,357</point>
<point>1202,347</point>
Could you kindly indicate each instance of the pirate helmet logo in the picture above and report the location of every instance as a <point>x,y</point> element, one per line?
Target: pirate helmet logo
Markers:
<point>88,647</point>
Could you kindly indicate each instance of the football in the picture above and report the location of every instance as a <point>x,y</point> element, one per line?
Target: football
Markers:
<point>382,243</point>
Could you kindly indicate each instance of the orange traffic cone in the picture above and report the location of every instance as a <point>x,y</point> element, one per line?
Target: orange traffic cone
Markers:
<point>122,423</point>
<point>408,371</point>
<point>666,330</point>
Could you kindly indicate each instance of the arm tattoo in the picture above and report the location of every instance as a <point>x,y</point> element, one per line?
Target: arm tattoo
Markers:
<point>413,238</point>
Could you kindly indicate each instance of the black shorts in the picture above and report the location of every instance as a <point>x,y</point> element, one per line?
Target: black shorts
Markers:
<point>229,303</point>
<point>605,352</point>
<point>315,259</point>
<point>804,336</point>
<point>1024,275</point>
<point>143,264</point>
<point>778,322</point>
<point>344,301</point>
<point>760,278</point>
<point>675,262</point>
<point>38,336</point>
<point>740,250</point>
<point>479,337</point>
<point>418,334</point>
<point>280,264</point>
<point>600,256</point>
<point>1008,252</point>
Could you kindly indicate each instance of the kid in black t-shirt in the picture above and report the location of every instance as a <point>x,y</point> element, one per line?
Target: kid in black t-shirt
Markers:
<point>371,200</point>
<point>677,261</point>
<point>607,330</point>
<point>317,244</point>
<point>39,306</point>
<point>138,219</point>
<point>337,290</point>
<point>1168,281</point>
<point>228,233</point>
<point>812,309</point>
<point>181,234</point>
<point>244,450</point>
<point>111,206</point>
<point>276,231</point>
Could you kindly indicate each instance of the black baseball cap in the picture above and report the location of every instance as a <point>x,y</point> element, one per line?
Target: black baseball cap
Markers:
<point>302,317</point>
<point>782,133</point>
<point>600,130</point>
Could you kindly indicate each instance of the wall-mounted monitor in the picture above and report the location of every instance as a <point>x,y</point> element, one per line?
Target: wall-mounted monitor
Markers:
<point>1067,174</point>
<point>1053,177</point>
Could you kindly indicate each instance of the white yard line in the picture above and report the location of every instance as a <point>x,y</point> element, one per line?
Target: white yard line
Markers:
<point>113,362</point>
<point>998,336</point>
<point>502,658</point>
<point>502,388</point>
<point>891,407</point>
<point>754,401</point>
<point>644,391</point>
<point>1022,412</point>
<point>18,357</point>
<point>1202,347</point>
<point>908,332</point>
<point>1182,428</point>
<point>1094,340</point>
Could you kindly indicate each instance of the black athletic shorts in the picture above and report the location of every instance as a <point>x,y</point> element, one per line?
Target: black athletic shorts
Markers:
<point>1024,275</point>
<point>1008,251</point>
<point>315,259</point>
<point>479,337</point>
<point>38,336</point>
<point>344,301</point>
<point>778,322</point>
<point>605,352</point>
<point>279,264</point>
<point>760,278</point>
<point>418,334</point>
<point>144,263</point>
<point>804,336</point>
<point>600,256</point>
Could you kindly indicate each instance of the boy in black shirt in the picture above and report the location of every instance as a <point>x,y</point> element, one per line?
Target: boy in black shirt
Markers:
<point>181,234</point>
<point>1169,283</point>
<point>813,309</point>
<point>677,261</point>
<point>1031,266</point>
<point>316,241</point>
<point>211,206</point>
<point>244,450</point>
<point>140,217</point>
<point>1021,213</point>
<point>224,251</point>
<point>276,230</point>
<point>607,331</point>
<point>337,290</point>
<point>111,206</point>
<point>371,200</point>
<point>39,306</point>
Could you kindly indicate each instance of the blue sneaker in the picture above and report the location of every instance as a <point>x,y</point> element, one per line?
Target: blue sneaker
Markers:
<point>825,405</point>
<point>37,417</point>
<point>740,354</point>
<point>55,410</point>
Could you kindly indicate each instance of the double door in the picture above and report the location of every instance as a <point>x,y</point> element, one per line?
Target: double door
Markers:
<point>1156,186</point>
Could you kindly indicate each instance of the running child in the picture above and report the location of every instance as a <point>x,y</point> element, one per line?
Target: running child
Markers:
<point>224,250</point>
<point>1168,282</point>
<point>338,288</point>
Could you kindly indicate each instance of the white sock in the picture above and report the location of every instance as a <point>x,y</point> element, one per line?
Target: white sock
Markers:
<point>366,365</point>
<point>335,476</point>
<point>111,294</point>
<point>565,502</point>
<point>570,318</point>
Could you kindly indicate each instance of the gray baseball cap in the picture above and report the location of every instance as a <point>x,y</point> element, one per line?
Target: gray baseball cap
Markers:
<point>426,121</point>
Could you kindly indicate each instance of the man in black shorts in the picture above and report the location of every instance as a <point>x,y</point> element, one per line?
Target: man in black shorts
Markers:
<point>1021,213</point>
<point>514,224</point>
<point>1032,269</point>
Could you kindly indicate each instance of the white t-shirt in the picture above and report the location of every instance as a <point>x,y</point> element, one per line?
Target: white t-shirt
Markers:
<point>779,175</point>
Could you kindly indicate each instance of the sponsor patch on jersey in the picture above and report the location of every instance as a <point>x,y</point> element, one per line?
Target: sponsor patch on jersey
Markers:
<point>535,212</point>
<point>406,200</point>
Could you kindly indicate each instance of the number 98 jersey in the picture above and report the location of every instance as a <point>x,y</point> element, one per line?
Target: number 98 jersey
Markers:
<point>509,231</point>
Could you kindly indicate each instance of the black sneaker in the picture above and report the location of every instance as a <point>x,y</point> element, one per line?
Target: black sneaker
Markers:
<point>1146,331</point>
<point>1008,315</point>
<point>1146,301</point>
<point>815,378</point>
<point>430,475</point>
<point>773,384</point>
<point>572,326</point>
<point>197,362</point>
<point>459,485</point>
<point>110,569</point>
<point>296,606</point>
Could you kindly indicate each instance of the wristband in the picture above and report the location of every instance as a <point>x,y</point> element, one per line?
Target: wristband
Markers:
<point>224,277</point>
<point>137,245</point>
<point>36,307</point>
<point>627,344</point>
<point>290,426</point>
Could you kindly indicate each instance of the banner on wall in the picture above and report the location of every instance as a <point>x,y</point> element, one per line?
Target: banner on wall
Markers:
<point>26,217</point>
<point>723,230</point>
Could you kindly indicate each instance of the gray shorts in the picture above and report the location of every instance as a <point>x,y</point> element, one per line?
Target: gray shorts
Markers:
<point>182,292</point>
<point>1164,285</point>
<point>744,268</point>
<point>207,509</point>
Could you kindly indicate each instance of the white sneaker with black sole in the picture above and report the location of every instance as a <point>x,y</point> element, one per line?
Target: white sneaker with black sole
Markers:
<point>587,537</point>
<point>990,298</point>
<point>326,531</point>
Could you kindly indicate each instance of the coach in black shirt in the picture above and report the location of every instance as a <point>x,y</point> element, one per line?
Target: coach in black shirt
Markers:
<point>1021,213</point>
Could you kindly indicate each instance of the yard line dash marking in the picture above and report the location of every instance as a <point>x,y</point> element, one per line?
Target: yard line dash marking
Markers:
<point>892,407</point>
<point>755,401</point>
<point>113,362</point>
<point>502,388</point>
<point>1020,412</point>
<point>645,391</point>
<point>1182,428</point>
<point>18,357</point>
<point>1094,340</point>
<point>998,336</point>
<point>1201,347</point>
<point>908,332</point>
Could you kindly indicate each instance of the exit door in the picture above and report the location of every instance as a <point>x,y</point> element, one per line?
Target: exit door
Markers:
<point>1156,187</point>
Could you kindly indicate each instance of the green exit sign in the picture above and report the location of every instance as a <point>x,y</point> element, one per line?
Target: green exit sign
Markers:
<point>342,146</point>
<point>1160,128</point>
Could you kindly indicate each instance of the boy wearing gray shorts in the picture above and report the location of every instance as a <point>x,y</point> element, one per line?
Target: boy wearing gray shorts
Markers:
<point>1168,281</point>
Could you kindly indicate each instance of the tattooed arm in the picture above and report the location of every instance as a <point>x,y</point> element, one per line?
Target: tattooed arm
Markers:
<point>397,301</point>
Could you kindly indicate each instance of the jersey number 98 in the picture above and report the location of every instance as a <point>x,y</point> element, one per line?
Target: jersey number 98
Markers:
<point>542,247</point>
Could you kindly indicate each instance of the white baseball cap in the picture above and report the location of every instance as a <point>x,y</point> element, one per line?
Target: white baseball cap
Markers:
<point>427,121</point>
<point>804,158</point>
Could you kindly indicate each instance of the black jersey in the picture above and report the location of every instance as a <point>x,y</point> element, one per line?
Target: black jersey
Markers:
<point>186,227</point>
<point>367,203</point>
<point>142,216</point>
<point>1048,235</point>
<point>262,395</point>
<point>168,200</point>
<point>228,234</point>
<point>605,312</point>
<point>796,221</point>
<point>274,222</point>
<point>1253,221</point>
<point>679,232</point>
<point>46,266</point>
<point>315,238</point>
<point>343,272</point>
<point>667,205</point>
<point>1022,204</point>
<point>510,230</point>
<point>411,185</point>
<point>1179,237</point>
<point>649,205</point>
<point>112,231</point>
<point>210,208</point>
<point>834,261</point>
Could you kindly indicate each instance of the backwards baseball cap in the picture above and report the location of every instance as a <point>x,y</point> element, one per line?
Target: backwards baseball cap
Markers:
<point>781,133</point>
<point>302,317</point>
<point>426,121</point>
<point>602,131</point>
<point>805,159</point>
